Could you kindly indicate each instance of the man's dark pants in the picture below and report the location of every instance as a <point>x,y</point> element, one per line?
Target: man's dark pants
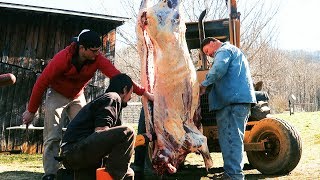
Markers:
<point>117,144</point>
<point>140,151</point>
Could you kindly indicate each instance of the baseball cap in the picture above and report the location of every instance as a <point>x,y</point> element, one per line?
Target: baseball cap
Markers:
<point>88,38</point>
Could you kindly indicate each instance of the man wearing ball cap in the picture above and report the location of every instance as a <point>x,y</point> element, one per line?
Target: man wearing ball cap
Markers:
<point>65,77</point>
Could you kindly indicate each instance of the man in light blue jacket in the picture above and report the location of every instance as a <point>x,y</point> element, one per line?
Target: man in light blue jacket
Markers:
<point>231,96</point>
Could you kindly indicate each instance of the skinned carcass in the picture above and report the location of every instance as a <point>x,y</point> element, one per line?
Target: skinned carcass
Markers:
<point>168,72</point>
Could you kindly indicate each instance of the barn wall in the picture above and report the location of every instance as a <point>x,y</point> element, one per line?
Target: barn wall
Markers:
<point>28,40</point>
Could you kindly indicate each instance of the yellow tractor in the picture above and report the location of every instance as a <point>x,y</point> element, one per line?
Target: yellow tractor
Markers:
<point>272,145</point>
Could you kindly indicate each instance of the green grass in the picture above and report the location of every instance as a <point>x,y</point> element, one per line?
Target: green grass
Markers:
<point>307,124</point>
<point>21,159</point>
<point>317,138</point>
<point>22,166</point>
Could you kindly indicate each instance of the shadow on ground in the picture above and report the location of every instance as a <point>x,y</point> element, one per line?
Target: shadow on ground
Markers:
<point>192,172</point>
<point>21,175</point>
<point>195,172</point>
<point>187,172</point>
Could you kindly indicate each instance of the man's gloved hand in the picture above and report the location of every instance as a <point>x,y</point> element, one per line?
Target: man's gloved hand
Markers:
<point>143,139</point>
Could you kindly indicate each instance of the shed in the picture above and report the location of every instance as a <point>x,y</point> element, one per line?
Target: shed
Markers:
<point>29,37</point>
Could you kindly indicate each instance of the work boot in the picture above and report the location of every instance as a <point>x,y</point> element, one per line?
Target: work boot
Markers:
<point>139,175</point>
<point>223,176</point>
<point>48,177</point>
<point>138,172</point>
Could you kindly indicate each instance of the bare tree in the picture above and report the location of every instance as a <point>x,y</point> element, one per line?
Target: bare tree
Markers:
<point>282,72</point>
<point>256,19</point>
<point>128,61</point>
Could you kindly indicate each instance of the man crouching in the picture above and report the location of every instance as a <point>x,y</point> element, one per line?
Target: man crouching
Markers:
<point>96,133</point>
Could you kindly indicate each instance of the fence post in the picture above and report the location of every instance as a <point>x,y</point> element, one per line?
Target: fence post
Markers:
<point>292,100</point>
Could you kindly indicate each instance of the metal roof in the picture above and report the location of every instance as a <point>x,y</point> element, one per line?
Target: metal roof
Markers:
<point>62,11</point>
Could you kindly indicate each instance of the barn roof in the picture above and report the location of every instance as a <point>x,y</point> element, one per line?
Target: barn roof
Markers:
<point>85,12</point>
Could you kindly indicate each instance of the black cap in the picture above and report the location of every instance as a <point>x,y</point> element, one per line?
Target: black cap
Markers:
<point>89,39</point>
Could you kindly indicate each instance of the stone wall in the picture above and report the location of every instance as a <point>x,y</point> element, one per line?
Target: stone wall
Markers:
<point>131,113</point>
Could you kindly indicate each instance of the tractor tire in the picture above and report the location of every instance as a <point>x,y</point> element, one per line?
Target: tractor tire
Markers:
<point>282,143</point>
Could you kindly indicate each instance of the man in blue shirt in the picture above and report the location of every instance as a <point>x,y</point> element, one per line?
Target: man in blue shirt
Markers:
<point>230,97</point>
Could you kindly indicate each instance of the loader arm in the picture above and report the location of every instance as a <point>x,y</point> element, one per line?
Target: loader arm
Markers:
<point>234,23</point>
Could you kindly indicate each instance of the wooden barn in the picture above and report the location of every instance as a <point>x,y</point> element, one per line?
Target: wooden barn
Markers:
<point>29,37</point>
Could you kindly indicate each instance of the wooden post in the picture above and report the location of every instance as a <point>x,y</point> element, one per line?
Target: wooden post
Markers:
<point>292,100</point>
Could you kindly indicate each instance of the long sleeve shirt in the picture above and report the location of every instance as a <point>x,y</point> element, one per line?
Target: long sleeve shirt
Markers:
<point>61,75</point>
<point>103,111</point>
<point>230,78</point>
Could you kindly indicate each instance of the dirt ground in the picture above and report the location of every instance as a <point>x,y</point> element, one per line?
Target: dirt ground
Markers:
<point>25,167</point>
<point>307,169</point>
<point>307,125</point>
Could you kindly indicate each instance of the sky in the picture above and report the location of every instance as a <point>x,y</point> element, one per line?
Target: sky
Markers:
<point>299,25</point>
<point>298,20</point>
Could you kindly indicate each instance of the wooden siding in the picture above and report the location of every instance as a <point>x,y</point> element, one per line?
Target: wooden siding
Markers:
<point>31,39</point>
<point>12,104</point>
<point>28,40</point>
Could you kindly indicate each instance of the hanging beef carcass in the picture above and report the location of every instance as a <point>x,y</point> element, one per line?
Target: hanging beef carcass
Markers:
<point>168,72</point>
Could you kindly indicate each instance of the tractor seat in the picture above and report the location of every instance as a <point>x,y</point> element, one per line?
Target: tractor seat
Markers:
<point>261,96</point>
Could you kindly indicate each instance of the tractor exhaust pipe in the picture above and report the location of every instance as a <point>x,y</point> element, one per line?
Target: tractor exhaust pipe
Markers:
<point>202,35</point>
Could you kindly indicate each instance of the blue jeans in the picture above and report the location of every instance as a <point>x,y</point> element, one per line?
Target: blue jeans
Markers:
<point>231,122</point>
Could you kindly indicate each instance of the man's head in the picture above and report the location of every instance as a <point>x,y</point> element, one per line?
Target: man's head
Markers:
<point>89,44</point>
<point>123,85</point>
<point>209,46</point>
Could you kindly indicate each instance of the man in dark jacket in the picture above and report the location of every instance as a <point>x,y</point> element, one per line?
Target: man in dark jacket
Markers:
<point>97,132</point>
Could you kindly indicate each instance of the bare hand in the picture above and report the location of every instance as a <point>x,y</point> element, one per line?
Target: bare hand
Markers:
<point>99,129</point>
<point>171,169</point>
<point>151,136</point>
<point>27,117</point>
<point>149,95</point>
<point>202,89</point>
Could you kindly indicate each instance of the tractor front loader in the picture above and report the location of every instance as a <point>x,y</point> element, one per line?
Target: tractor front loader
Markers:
<point>272,145</point>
